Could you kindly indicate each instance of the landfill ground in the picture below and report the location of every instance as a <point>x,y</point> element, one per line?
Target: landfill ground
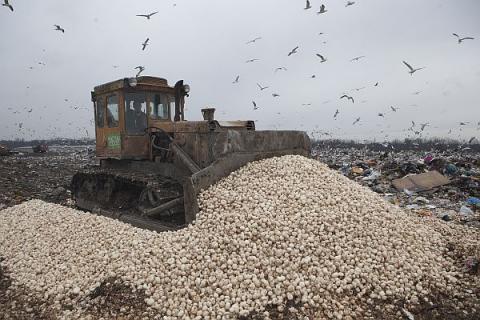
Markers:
<point>25,176</point>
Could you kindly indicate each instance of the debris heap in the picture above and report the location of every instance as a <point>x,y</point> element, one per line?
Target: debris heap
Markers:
<point>279,233</point>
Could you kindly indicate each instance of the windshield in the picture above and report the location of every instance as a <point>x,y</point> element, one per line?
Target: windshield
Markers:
<point>159,107</point>
<point>135,113</point>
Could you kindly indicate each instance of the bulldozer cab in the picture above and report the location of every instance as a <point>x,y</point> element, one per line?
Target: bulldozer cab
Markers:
<point>125,110</point>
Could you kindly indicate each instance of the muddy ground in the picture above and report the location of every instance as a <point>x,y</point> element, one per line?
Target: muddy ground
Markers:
<point>25,176</point>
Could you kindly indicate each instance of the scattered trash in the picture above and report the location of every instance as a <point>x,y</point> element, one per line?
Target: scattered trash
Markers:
<point>421,182</point>
<point>357,170</point>
<point>374,175</point>
<point>474,201</point>
<point>408,314</point>
<point>466,210</point>
<point>421,200</point>
<point>451,169</point>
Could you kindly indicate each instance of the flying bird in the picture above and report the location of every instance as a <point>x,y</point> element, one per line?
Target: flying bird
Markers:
<point>147,15</point>
<point>140,70</point>
<point>423,125</point>
<point>412,70</point>
<point>251,60</point>
<point>236,79</point>
<point>313,76</point>
<point>348,97</point>
<point>254,105</point>
<point>464,123</point>
<point>356,121</point>
<point>144,45</point>
<point>376,84</point>
<point>417,93</point>
<point>253,40</point>
<point>261,88</point>
<point>394,109</point>
<point>471,140</point>
<point>381,115</point>
<point>7,4</point>
<point>306,104</point>
<point>322,58</point>
<point>294,50</point>
<point>357,58</point>
<point>336,114</point>
<point>350,3</point>
<point>322,10</point>
<point>275,95</point>
<point>281,68</point>
<point>307,5</point>
<point>358,89</point>
<point>58,28</point>
<point>461,39</point>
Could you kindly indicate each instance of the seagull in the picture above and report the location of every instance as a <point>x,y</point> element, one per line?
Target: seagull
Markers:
<point>417,93</point>
<point>8,5</point>
<point>58,28</point>
<point>358,89</point>
<point>236,79</point>
<point>115,66</point>
<point>471,139</point>
<point>144,45</point>
<point>350,3</point>
<point>261,88</point>
<point>423,125</point>
<point>322,9</point>
<point>313,76</point>
<point>281,68</point>
<point>321,57</point>
<point>412,70</point>
<point>357,58</point>
<point>394,109</point>
<point>140,70</point>
<point>275,95</point>
<point>461,39</point>
<point>348,97</point>
<point>254,105</point>
<point>307,5</point>
<point>306,104</point>
<point>464,123</point>
<point>253,40</point>
<point>294,50</point>
<point>356,121</point>
<point>251,60</point>
<point>381,115</point>
<point>336,114</point>
<point>376,84</point>
<point>147,15</point>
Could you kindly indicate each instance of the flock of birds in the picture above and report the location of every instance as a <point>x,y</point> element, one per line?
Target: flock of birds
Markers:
<point>322,59</point>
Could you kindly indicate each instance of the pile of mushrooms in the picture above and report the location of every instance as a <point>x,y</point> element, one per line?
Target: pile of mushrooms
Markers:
<point>277,230</point>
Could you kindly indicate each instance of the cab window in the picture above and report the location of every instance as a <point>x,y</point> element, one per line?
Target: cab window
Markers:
<point>159,107</point>
<point>100,112</point>
<point>135,113</point>
<point>112,111</point>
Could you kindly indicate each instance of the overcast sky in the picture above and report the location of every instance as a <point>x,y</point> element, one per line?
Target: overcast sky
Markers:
<point>204,43</point>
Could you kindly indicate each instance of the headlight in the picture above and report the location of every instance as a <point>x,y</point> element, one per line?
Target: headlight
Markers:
<point>186,88</point>
<point>132,82</point>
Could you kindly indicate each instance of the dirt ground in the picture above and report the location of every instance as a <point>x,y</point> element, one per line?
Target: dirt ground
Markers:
<point>47,177</point>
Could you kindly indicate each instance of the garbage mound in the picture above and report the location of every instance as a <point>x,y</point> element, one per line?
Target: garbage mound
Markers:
<point>281,234</point>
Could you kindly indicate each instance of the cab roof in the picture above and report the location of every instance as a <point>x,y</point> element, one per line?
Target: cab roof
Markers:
<point>143,82</point>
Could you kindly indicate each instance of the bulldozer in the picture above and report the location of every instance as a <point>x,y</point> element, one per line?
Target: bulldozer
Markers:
<point>152,163</point>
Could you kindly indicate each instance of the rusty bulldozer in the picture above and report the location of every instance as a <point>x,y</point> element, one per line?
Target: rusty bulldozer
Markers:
<point>153,163</point>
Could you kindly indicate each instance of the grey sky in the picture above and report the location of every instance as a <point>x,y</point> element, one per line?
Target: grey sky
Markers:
<point>203,42</point>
